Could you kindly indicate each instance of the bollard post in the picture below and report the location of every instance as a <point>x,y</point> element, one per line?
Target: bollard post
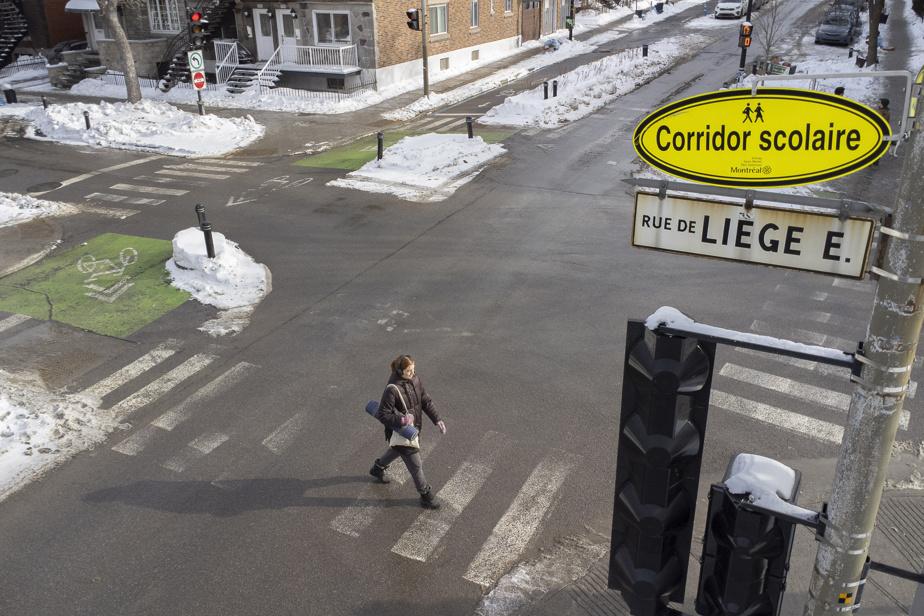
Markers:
<point>545,89</point>
<point>209,246</point>
<point>86,118</point>
<point>645,50</point>
<point>381,138</point>
<point>468,124</point>
<point>705,12</point>
<point>9,93</point>
<point>850,52</point>
<point>754,68</point>
<point>44,102</point>
<point>554,88</point>
<point>200,212</point>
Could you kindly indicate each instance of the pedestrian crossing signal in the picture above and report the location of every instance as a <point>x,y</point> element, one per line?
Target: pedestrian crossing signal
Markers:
<point>744,35</point>
<point>413,17</point>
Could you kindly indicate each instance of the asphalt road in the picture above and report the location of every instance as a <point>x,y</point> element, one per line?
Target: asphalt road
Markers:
<point>244,488</point>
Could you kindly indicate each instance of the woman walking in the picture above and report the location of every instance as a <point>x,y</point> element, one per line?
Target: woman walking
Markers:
<point>404,402</point>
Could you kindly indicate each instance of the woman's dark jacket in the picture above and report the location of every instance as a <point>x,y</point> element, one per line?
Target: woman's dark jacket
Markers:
<point>415,396</point>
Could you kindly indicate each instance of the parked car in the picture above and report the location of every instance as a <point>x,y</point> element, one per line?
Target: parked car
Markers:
<point>855,5</point>
<point>845,11</point>
<point>836,29</point>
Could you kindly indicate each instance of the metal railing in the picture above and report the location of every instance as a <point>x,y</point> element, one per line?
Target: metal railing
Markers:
<point>333,95</point>
<point>226,60</point>
<point>118,79</point>
<point>21,65</point>
<point>320,56</point>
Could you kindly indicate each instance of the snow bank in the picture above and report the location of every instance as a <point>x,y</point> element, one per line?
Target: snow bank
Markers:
<point>16,208</point>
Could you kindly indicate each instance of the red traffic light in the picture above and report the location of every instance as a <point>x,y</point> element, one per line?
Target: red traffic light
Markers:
<point>195,16</point>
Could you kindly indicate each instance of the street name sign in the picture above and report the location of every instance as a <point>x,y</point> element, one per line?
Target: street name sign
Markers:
<point>809,241</point>
<point>778,137</point>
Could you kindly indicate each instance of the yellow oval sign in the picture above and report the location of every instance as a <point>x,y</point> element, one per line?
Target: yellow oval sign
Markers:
<point>779,137</point>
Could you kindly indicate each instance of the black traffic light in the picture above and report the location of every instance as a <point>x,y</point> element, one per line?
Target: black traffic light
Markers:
<point>744,35</point>
<point>665,399</point>
<point>745,552</point>
<point>196,24</point>
<point>413,17</point>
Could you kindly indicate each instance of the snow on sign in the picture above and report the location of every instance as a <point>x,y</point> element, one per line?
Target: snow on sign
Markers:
<point>778,137</point>
<point>775,237</point>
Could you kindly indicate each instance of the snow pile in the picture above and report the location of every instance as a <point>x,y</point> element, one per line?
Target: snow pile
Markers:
<point>769,483</point>
<point>147,125</point>
<point>232,282</point>
<point>39,429</point>
<point>16,208</point>
<point>423,168</point>
<point>592,86</point>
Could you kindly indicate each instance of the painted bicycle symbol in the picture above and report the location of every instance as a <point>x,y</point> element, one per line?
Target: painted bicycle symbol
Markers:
<point>88,264</point>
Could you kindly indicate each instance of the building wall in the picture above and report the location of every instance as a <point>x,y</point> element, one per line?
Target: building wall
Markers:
<point>61,26</point>
<point>146,54</point>
<point>397,44</point>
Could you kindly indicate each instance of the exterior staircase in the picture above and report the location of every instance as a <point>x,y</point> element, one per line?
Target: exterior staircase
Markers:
<point>13,28</point>
<point>245,76</point>
<point>175,65</point>
<point>77,64</point>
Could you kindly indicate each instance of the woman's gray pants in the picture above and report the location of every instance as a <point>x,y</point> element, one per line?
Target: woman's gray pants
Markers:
<point>414,466</point>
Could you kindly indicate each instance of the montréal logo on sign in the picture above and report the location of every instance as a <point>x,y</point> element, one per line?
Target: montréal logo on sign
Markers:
<point>777,137</point>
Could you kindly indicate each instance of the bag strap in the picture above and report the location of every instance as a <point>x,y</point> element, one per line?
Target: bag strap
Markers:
<point>400,397</point>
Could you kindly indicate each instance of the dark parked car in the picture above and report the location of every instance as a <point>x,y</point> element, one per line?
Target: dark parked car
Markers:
<point>855,5</point>
<point>835,30</point>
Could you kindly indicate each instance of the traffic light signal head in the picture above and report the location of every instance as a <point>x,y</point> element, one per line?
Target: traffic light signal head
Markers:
<point>413,19</point>
<point>744,35</point>
<point>197,26</point>
<point>665,397</point>
<point>745,552</point>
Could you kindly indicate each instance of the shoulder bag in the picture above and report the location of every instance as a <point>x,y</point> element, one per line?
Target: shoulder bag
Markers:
<point>396,439</point>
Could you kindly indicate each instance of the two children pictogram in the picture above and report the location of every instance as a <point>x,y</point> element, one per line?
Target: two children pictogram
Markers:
<point>758,114</point>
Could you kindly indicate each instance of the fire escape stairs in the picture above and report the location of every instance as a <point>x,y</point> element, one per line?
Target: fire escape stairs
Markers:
<point>175,60</point>
<point>13,28</point>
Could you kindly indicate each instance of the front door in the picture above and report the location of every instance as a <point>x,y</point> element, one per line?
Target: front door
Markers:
<point>532,19</point>
<point>288,35</point>
<point>266,44</point>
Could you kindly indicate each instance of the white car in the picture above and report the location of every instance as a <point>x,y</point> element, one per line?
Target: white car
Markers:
<point>733,9</point>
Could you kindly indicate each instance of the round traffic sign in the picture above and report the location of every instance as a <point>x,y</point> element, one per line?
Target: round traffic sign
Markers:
<point>198,80</point>
<point>196,62</point>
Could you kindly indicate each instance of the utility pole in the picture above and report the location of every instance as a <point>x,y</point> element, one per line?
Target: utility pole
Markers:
<point>878,395</point>
<point>744,49</point>
<point>424,29</point>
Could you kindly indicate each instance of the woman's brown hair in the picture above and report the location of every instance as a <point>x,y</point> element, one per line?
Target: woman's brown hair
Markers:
<point>404,360</point>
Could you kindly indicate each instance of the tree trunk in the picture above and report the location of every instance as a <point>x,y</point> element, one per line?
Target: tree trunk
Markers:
<point>872,48</point>
<point>110,13</point>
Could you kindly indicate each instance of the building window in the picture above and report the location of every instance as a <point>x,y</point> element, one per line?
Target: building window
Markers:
<point>164,16</point>
<point>336,83</point>
<point>474,23</point>
<point>444,64</point>
<point>475,55</point>
<point>439,19</point>
<point>508,6</point>
<point>332,28</point>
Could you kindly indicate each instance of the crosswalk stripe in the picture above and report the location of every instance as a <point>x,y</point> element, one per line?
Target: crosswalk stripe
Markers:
<point>134,444</point>
<point>12,321</point>
<point>521,520</point>
<point>168,180</point>
<point>818,316</point>
<point>357,517</point>
<point>817,395</point>
<point>815,295</point>
<point>805,336</point>
<point>106,197</point>
<point>198,448</point>
<point>854,285</point>
<point>233,163</point>
<point>424,535</point>
<point>142,201</point>
<point>211,176</point>
<point>143,363</point>
<point>162,385</point>
<point>284,435</point>
<point>176,192</point>
<point>197,167</point>
<point>175,416</point>
<point>111,212</point>
<point>778,418</point>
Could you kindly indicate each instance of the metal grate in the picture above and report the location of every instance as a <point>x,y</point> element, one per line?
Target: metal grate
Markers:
<point>901,519</point>
<point>59,370</point>
<point>35,230</point>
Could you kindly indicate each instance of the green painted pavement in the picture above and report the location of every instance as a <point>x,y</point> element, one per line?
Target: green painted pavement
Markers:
<point>362,151</point>
<point>114,285</point>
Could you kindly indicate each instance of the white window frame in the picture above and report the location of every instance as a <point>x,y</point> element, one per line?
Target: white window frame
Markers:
<point>317,30</point>
<point>160,17</point>
<point>475,13</point>
<point>508,6</point>
<point>436,22</point>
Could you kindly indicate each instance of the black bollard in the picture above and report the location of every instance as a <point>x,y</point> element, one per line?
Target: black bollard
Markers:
<point>200,212</point>
<point>468,124</point>
<point>381,137</point>
<point>645,50</point>
<point>209,246</point>
<point>9,93</point>
<point>545,88</point>
<point>850,52</point>
<point>754,69</point>
<point>44,102</point>
<point>86,118</point>
<point>554,88</point>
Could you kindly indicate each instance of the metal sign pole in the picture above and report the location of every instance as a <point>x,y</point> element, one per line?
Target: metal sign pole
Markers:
<point>878,397</point>
<point>424,27</point>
